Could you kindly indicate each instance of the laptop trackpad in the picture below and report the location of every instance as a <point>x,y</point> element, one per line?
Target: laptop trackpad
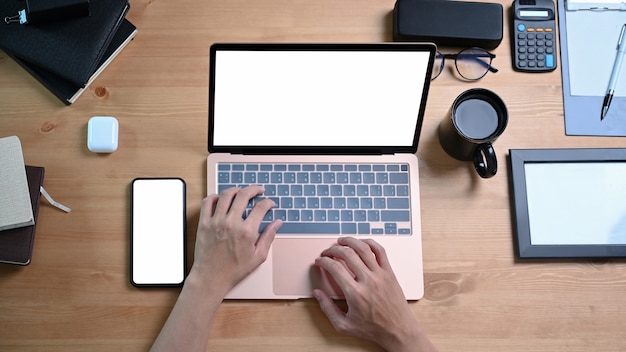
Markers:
<point>294,267</point>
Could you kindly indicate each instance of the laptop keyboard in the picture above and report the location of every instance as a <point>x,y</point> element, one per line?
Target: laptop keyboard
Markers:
<point>328,199</point>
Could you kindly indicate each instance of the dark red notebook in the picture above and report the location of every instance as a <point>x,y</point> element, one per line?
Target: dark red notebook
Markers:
<point>16,245</point>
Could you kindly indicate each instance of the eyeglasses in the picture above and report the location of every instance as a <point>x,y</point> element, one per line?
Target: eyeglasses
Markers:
<point>472,63</point>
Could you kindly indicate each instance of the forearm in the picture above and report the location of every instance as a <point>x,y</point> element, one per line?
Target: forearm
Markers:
<point>411,339</point>
<point>189,325</point>
<point>227,249</point>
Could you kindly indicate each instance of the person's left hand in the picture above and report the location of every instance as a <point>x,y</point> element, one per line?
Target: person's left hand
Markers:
<point>228,248</point>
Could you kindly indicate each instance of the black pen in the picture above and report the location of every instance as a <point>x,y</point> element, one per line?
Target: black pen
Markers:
<point>614,73</point>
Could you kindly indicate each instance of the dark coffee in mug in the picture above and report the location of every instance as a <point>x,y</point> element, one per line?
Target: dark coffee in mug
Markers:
<point>477,117</point>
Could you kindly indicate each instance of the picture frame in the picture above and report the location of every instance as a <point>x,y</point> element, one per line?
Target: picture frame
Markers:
<point>569,203</point>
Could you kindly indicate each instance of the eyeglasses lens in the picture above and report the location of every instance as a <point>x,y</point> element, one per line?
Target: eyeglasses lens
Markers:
<point>473,64</point>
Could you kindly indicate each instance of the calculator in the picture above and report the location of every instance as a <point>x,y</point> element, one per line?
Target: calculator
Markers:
<point>533,35</point>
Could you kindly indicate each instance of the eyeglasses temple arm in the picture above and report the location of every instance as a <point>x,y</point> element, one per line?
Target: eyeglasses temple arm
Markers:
<point>488,65</point>
<point>491,68</point>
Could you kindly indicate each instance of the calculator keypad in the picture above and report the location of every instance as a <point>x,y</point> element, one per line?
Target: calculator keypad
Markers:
<point>535,49</point>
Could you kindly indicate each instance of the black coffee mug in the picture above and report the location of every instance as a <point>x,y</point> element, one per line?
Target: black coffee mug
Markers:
<point>477,118</point>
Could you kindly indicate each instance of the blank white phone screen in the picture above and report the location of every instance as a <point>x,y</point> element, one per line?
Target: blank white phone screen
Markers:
<point>158,231</point>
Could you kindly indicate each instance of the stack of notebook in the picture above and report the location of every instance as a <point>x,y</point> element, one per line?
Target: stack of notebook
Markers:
<point>66,56</point>
<point>19,203</point>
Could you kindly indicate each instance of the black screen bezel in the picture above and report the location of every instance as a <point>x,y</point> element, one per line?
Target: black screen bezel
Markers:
<point>520,157</point>
<point>184,239</point>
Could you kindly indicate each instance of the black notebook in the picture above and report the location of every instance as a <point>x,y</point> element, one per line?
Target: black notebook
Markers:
<point>16,245</point>
<point>71,49</point>
<point>67,91</point>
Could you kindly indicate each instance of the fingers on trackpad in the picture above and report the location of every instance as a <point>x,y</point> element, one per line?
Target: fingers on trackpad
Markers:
<point>294,271</point>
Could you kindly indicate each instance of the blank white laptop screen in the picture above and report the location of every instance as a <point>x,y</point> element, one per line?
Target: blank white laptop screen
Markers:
<point>318,98</point>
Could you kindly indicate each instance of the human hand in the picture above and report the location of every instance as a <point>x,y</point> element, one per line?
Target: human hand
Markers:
<point>228,248</point>
<point>377,308</point>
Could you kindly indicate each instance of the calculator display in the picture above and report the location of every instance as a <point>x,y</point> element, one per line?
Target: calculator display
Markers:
<point>534,13</point>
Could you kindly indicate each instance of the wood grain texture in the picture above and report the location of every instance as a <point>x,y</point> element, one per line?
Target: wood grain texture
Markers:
<point>76,296</point>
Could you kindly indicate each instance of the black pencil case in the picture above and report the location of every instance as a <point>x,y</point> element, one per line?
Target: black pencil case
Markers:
<point>448,22</point>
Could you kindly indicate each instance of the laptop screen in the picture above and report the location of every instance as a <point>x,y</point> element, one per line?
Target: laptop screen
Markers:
<point>299,97</point>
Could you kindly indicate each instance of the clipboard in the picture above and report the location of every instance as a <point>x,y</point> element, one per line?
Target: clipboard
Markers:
<point>588,34</point>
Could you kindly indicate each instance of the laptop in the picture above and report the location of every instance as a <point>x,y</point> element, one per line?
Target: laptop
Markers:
<point>331,131</point>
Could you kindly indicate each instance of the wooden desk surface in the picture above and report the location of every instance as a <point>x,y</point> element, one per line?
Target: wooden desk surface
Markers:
<point>76,296</point>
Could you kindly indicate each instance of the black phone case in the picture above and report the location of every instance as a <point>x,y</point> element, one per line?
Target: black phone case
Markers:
<point>130,273</point>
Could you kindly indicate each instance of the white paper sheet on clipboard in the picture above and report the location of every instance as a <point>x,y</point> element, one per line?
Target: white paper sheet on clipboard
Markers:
<point>582,112</point>
<point>573,5</point>
<point>592,39</point>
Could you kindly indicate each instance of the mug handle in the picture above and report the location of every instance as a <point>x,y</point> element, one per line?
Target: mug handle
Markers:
<point>485,161</point>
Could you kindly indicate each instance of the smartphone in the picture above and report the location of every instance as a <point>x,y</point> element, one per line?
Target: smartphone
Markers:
<point>158,231</point>
<point>533,35</point>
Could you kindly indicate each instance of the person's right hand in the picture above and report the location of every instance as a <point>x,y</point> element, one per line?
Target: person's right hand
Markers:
<point>377,308</point>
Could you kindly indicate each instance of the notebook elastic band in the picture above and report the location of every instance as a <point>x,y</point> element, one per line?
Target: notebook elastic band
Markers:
<point>52,201</point>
